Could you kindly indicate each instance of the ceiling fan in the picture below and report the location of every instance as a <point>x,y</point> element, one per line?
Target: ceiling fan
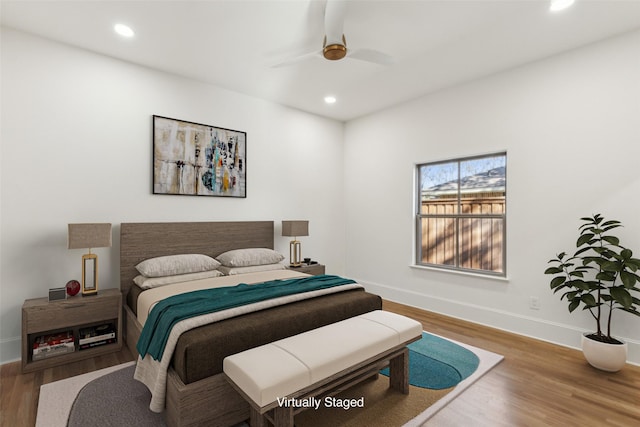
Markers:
<point>334,46</point>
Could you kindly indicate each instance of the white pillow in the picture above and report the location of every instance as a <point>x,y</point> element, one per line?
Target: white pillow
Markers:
<point>154,282</point>
<point>231,271</point>
<point>176,264</point>
<point>248,257</point>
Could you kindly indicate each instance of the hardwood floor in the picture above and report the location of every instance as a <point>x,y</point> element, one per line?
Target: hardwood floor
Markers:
<point>537,384</point>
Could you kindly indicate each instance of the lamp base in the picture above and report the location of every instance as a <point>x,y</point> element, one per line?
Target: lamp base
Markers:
<point>295,251</point>
<point>89,274</point>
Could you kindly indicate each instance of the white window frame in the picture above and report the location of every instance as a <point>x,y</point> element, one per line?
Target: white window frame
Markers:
<point>457,217</point>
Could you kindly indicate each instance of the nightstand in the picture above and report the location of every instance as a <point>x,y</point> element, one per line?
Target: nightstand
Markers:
<point>43,317</point>
<point>313,269</point>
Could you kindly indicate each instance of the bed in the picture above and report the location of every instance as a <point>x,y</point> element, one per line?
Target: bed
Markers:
<point>196,391</point>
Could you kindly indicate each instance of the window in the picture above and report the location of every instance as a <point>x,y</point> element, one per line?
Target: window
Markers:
<point>461,214</point>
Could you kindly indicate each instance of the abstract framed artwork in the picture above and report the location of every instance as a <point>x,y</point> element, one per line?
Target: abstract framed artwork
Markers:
<point>199,160</point>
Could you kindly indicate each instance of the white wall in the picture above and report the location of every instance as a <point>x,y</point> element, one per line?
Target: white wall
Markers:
<point>570,126</point>
<point>76,147</point>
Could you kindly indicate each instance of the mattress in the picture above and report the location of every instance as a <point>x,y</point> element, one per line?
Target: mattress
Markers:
<point>199,352</point>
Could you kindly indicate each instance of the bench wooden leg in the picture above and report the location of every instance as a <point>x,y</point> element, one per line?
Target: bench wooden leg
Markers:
<point>283,417</point>
<point>399,372</point>
<point>256,419</point>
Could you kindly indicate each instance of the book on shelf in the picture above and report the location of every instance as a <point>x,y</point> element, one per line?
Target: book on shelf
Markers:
<point>97,344</point>
<point>99,334</point>
<point>49,345</point>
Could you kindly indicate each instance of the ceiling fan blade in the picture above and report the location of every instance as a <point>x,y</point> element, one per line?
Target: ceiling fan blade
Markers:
<point>370,55</point>
<point>298,58</point>
<point>334,13</point>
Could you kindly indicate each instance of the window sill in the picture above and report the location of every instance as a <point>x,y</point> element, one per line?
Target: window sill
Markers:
<point>460,273</point>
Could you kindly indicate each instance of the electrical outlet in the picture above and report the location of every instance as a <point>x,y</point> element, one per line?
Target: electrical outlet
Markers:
<point>534,303</point>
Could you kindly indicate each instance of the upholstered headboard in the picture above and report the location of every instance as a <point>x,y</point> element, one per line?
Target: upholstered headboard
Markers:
<point>140,241</point>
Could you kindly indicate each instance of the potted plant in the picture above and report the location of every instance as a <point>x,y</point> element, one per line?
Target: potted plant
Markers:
<point>601,277</point>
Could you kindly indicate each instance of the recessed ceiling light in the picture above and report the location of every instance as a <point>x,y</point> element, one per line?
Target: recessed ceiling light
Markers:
<point>558,5</point>
<point>330,99</point>
<point>123,30</point>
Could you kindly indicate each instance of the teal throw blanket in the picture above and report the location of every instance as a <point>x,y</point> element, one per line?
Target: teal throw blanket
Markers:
<point>166,313</point>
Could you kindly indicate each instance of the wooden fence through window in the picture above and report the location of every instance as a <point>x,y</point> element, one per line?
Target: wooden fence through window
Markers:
<point>480,230</point>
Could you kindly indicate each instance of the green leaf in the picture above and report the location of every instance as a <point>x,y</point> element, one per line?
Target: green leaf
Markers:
<point>582,250</point>
<point>628,279</point>
<point>571,295</point>
<point>611,239</point>
<point>586,227</point>
<point>589,300</point>
<point>593,260</point>
<point>622,296</point>
<point>611,266</point>
<point>580,284</point>
<point>612,254</point>
<point>574,304</point>
<point>611,222</point>
<point>553,270</point>
<point>601,251</point>
<point>626,254</point>
<point>585,238</point>
<point>633,263</point>
<point>606,276</point>
<point>557,281</point>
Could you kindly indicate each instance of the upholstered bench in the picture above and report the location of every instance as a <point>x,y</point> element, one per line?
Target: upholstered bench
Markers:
<point>275,378</point>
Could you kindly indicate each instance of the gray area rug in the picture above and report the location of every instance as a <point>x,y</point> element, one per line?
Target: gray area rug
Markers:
<point>95,402</point>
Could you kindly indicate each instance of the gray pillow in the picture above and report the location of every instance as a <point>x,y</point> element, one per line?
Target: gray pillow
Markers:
<point>176,264</point>
<point>248,257</point>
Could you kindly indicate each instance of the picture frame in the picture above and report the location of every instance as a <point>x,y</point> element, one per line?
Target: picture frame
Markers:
<point>198,160</point>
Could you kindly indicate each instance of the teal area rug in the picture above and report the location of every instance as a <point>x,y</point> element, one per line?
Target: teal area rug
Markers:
<point>437,363</point>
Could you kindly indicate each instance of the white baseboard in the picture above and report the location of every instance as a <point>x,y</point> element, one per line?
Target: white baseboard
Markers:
<point>552,332</point>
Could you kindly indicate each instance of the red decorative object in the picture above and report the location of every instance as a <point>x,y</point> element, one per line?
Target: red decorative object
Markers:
<point>73,287</point>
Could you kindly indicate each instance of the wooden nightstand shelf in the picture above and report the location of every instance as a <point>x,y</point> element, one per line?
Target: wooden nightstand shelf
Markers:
<point>41,316</point>
<point>314,269</point>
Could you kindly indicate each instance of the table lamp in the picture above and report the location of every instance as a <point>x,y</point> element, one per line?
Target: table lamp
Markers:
<point>83,236</point>
<point>295,229</point>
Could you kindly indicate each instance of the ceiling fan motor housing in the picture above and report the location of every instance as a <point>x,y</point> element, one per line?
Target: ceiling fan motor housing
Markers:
<point>335,51</point>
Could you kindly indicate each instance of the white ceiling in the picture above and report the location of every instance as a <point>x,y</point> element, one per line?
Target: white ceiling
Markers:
<point>235,43</point>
